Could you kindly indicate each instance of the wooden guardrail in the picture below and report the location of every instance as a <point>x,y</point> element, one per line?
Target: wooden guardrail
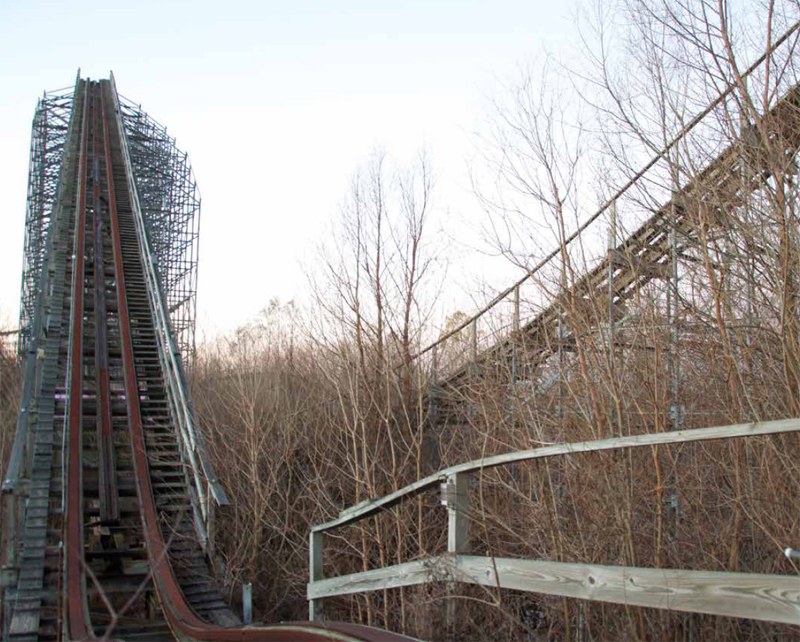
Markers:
<point>764,597</point>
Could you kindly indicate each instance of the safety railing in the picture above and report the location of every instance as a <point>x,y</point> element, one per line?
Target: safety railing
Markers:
<point>207,487</point>
<point>773,598</point>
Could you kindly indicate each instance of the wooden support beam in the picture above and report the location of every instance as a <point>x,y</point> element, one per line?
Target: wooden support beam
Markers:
<point>638,265</point>
<point>408,574</point>
<point>773,598</point>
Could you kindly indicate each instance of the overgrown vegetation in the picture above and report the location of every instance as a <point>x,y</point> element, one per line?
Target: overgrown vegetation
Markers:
<point>310,412</point>
<point>311,409</point>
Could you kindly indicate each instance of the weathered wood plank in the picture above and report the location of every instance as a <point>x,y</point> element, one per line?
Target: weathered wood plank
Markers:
<point>407,574</point>
<point>774,598</point>
<point>633,441</point>
<point>316,542</point>
<point>457,502</point>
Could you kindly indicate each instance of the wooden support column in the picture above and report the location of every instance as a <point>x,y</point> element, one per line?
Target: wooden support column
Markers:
<point>455,496</point>
<point>474,340</point>
<point>515,339</point>
<point>457,502</point>
<point>247,603</point>
<point>612,247</point>
<point>316,542</point>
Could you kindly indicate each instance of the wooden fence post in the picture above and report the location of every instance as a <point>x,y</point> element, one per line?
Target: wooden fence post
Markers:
<point>247,603</point>
<point>456,498</point>
<point>315,607</point>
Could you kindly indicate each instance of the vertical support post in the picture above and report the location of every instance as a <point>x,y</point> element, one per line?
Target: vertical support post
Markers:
<point>474,341</point>
<point>561,332</point>
<point>316,542</point>
<point>247,603</point>
<point>746,178</point>
<point>432,385</point>
<point>456,498</point>
<point>457,502</point>
<point>676,407</point>
<point>514,348</point>
<point>612,339</point>
<point>612,247</point>
<point>560,338</point>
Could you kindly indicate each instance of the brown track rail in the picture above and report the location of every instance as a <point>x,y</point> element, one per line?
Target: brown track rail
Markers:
<point>73,532</point>
<point>153,447</point>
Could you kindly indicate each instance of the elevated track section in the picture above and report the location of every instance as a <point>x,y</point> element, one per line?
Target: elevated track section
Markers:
<point>573,292</point>
<point>109,498</point>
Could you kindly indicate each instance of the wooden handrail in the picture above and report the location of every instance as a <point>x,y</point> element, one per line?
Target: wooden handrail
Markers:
<point>774,598</point>
<point>768,597</point>
<point>373,506</point>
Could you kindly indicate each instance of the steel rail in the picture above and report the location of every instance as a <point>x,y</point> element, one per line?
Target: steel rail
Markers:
<point>183,621</point>
<point>109,505</point>
<point>77,623</point>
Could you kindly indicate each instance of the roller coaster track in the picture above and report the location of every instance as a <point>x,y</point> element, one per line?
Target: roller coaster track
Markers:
<point>117,492</point>
<point>599,296</point>
<point>109,498</point>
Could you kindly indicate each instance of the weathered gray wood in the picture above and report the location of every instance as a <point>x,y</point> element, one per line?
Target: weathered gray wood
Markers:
<point>774,598</point>
<point>457,502</point>
<point>315,546</point>
<point>407,574</point>
<point>247,603</point>
<point>651,439</point>
<point>457,507</point>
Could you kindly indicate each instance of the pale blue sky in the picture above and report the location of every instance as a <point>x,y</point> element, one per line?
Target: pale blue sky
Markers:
<point>277,103</point>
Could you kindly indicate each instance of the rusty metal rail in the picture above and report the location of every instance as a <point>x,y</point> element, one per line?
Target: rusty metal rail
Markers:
<point>116,528</point>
